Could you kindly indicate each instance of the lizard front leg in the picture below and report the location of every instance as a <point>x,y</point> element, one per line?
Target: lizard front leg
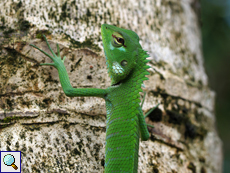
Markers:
<point>58,63</point>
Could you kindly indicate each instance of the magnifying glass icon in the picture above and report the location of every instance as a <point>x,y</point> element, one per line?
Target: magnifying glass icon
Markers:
<point>9,161</point>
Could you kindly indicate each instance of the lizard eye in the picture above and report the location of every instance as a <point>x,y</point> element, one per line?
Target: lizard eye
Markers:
<point>118,40</point>
<point>124,63</point>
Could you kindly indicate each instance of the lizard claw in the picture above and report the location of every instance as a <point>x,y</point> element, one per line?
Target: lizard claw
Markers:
<point>50,64</point>
<point>64,59</point>
<point>58,52</point>
<point>151,110</point>
<point>42,51</point>
<point>150,125</point>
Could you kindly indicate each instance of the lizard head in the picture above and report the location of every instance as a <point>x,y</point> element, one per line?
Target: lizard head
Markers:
<point>121,51</point>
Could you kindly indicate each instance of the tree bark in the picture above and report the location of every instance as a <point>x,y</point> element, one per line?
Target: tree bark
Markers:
<point>56,133</point>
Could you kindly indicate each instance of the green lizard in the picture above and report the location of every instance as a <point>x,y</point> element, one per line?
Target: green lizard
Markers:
<point>126,63</point>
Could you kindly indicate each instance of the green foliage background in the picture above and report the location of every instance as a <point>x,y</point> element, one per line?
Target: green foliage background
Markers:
<point>215,24</point>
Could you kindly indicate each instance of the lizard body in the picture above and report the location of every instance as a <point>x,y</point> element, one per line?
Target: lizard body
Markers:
<point>126,63</point>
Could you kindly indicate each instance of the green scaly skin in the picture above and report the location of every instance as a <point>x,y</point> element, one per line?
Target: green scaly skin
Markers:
<point>126,63</point>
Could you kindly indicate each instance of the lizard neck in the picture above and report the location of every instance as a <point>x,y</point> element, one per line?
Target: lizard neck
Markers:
<point>136,77</point>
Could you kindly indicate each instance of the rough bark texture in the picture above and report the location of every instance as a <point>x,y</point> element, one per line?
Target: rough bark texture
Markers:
<point>60,134</point>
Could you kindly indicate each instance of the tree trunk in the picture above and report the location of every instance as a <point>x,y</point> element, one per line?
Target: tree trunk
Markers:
<point>56,133</point>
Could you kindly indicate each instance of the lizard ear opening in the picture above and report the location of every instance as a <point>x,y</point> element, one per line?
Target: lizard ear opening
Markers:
<point>124,63</point>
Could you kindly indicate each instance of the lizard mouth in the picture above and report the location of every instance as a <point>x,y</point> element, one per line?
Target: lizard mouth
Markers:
<point>116,84</point>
